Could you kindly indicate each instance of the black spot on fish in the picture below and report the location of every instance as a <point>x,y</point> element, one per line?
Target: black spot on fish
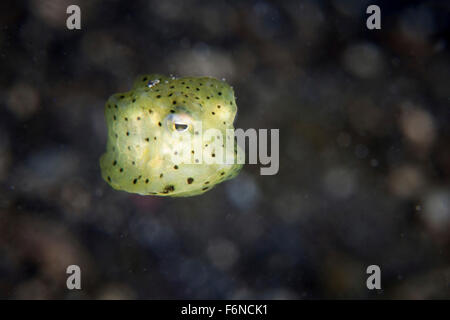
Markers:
<point>169,188</point>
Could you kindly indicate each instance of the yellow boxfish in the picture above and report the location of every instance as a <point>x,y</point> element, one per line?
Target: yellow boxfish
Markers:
<point>162,118</point>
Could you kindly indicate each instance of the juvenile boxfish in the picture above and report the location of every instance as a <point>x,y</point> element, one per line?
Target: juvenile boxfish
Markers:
<point>156,121</point>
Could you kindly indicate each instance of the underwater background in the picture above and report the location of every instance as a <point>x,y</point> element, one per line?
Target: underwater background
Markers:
<point>364,151</point>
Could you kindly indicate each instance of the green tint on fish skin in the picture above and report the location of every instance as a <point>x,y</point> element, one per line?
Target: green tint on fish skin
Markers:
<point>140,124</point>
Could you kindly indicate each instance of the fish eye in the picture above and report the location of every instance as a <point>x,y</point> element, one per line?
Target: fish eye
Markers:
<point>181,127</point>
<point>179,122</point>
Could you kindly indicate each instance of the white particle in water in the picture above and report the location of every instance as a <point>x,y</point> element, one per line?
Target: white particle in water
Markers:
<point>152,83</point>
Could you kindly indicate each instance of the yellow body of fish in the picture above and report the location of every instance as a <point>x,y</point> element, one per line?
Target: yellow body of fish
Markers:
<point>158,121</point>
